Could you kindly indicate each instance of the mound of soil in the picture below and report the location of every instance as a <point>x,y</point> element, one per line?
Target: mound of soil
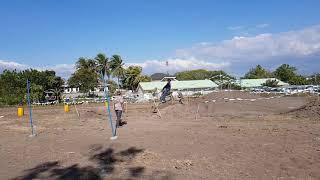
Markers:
<point>232,104</point>
<point>230,94</point>
<point>310,110</point>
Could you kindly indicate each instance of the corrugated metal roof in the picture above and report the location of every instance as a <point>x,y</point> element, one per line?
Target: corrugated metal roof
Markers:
<point>249,83</point>
<point>147,86</point>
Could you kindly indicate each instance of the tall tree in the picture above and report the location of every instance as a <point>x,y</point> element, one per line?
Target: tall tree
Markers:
<point>85,77</point>
<point>257,73</point>
<point>103,65</point>
<point>13,85</point>
<point>200,74</point>
<point>285,72</point>
<point>314,79</point>
<point>133,76</point>
<point>298,80</point>
<point>86,63</point>
<point>117,68</point>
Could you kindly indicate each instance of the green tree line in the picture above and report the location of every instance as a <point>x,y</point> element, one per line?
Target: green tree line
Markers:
<point>14,85</point>
<point>90,73</point>
<point>285,73</point>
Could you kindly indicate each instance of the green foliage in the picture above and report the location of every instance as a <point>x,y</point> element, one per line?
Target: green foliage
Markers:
<point>201,74</point>
<point>271,83</point>
<point>37,92</point>
<point>298,80</point>
<point>231,85</point>
<point>158,76</point>
<point>85,77</point>
<point>102,65</point>
<point>133,77</point>
<point>314,79</point>
<point>285,72</point>
<point>112,87</point>
<point>198,74</point>
<point>117,68</point>
<point>288,74</point>
<point>144,78</point>
<point>257,73</point>
<point>13,85</point>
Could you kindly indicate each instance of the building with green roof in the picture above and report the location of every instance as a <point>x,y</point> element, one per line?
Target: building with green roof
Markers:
<point>254,83</point>
<point>191,85</point>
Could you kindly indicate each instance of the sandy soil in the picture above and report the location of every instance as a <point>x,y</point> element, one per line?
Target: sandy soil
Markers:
<point>226,135</point>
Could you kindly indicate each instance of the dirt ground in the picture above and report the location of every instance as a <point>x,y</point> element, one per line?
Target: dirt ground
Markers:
<point>225,135</point>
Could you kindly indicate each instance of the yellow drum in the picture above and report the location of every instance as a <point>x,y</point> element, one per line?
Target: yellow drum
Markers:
<point>66,108</point>
<point>20,111</point>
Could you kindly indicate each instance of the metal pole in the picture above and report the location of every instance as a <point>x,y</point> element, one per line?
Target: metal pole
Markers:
<point>30,108</point>
<point>220,82</point>
<point>108,108</point>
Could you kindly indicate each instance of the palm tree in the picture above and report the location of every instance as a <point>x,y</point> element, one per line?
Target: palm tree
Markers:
<point>57,93</point>
<point>103,65</point>
<point>86,64</point>
<point>82,62</point>
<point>116,65</point>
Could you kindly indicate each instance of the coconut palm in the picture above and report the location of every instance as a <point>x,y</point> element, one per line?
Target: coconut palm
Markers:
<point>103,65</point>
<point>116,64</point>
<point>86,63</point>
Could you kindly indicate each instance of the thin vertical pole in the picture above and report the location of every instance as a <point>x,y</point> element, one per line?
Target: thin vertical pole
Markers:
<point>197,111</point>
<point>74,103</point>
<point>30,107</point>
<point>220,82</point>
<point>108,108</point>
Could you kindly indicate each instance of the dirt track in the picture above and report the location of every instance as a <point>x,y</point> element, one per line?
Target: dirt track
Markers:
<point>229,139</point>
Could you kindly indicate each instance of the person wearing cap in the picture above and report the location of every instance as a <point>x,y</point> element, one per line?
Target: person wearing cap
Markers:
<point>165,91</point>
<point>119,108</point>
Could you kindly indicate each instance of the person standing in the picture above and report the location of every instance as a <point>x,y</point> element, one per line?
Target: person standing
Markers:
<point>165,91</point>
<point>119,108</point>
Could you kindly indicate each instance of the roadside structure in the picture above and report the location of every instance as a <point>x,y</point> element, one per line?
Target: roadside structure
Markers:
<point>187,88</point>
<point>257,83</point>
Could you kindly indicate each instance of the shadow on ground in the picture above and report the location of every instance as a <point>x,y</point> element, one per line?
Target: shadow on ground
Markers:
<point>106,161</point>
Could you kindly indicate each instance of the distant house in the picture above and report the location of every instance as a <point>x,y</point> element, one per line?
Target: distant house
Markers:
<point>172,78</point>
<point>254,83</point>
<point>195,86</point>
<point>72,92</point>
<point>67,89</point>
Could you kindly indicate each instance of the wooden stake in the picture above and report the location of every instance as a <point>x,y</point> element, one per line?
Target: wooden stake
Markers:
<point>156,106</point>
<point>76,110</point>
<point>197,112</point>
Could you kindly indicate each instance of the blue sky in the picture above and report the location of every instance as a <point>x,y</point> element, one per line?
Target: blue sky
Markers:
<point>188,34</point>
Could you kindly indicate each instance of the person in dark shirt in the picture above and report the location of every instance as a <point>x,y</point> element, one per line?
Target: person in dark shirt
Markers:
<point>165,91</point>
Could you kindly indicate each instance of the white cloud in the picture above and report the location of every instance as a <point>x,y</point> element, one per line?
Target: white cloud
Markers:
<point>63,70</point>
<point>297,44</point>
<point>175,65</point>
<point>149,66</point>
<point>11,65</point>
<point>301,47</point>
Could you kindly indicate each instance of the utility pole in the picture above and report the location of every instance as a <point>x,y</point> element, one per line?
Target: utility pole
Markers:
<point>167,64</point>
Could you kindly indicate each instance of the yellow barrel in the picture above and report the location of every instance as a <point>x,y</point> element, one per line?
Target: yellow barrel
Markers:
<point>66,108</point>
<point>106,103</point>
<point>20,111</point>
